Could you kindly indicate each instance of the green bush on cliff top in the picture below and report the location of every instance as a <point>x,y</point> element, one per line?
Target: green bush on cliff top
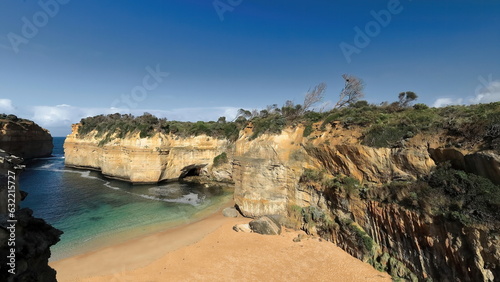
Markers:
<point>386,125</point>
<point>117,125</point>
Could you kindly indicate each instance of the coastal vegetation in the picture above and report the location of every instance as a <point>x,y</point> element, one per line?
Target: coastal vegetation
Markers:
<point>454,194</point>
<point>383,125</point>
<point>10,118</point>
<point>386,125</point>
<point>117,125</point>
<point>221,159</point>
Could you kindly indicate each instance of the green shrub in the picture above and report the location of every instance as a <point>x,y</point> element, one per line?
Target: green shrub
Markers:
<point>272,124</point>
<point>420,106</point>
<point>220,159</point>
<point>351,186</point>
<point>311,175</point>
<point>307,130</point>
<point>455,194</point>
<point>385,135</point>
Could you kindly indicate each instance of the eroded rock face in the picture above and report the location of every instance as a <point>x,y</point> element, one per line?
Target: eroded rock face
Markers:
<point>267,173</point>
<point>433,246</point>
<point>25,139</point>
<point>376,165</point>
<point>483,163</point>
<point>33,236</point>
<point>143,160</point>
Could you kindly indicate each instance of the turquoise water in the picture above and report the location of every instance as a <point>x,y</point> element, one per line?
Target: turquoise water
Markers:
<point>93,211</point>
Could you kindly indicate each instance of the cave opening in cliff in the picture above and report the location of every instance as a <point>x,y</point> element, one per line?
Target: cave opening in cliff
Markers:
<point>191,170</point>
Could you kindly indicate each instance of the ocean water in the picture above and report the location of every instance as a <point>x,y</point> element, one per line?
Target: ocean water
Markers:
<point>93,211</point>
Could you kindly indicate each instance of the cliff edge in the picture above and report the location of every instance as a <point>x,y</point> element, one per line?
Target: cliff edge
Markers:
<point>24,138</point>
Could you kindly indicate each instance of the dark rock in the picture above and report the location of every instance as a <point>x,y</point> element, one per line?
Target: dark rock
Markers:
<point>230,212</point>
<point>266,225</point>
<point>33,236</point>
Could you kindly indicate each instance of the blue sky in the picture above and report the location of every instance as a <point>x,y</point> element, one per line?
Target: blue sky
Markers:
<point>61,60</point>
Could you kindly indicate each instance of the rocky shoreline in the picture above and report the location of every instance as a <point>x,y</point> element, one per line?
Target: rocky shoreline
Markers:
<point>26,251</point>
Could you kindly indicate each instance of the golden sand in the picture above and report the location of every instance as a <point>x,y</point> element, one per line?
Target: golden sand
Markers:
<point>210,250</point>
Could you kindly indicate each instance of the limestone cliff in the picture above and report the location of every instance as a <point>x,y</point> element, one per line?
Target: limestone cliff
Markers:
<point>29,237</point>
<point>267,170</point>
<point>143,160</point>
<point>269,177</point>
<point>24,138</point>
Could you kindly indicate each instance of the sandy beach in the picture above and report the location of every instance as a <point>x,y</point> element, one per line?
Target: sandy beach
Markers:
<point>210,250</point>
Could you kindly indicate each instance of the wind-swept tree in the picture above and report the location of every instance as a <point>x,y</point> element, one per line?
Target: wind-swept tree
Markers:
<point>244,113</point>
<point>406,98</point>
<point>352,92</point>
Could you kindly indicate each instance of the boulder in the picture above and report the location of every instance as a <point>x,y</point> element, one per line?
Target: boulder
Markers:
<point>265,225</point>
<point>245,228</point>
<point>230,212</point>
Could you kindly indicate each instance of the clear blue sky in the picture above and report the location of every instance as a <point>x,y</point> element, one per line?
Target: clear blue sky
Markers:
<point>83,57</point>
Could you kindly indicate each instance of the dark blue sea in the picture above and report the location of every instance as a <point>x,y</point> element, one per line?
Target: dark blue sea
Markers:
<point>93,211</point>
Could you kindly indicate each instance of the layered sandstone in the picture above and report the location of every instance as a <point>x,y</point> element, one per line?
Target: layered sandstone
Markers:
<point>409,244</point>
<point>143,160</point>
<point>267,170</point>
<point>25,139</point>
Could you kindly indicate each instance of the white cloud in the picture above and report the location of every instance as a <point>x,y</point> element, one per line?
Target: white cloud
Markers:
<point>443,102</point>
<point>192,114</point>
<point>58,119</point>
<point>6,106</point>
<point>63,115</point>
<point>487,92</point>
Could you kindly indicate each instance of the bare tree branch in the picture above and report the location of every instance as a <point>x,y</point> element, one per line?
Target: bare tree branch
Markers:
<point>352,92</point>
<point>313,96</point>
